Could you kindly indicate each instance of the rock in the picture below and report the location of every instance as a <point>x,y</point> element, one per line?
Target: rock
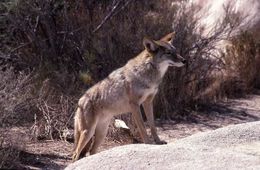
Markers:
<point>120,124</point>
<point>231,147</point>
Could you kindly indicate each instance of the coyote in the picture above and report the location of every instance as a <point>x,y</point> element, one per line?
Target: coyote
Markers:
<point>123,91</point>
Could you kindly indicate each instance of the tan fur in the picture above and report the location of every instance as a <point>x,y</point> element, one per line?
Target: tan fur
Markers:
<point>123,91</point>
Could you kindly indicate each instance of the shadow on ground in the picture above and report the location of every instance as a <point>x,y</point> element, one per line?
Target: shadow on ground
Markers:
<point>41,161</point>
<point>210,117</point>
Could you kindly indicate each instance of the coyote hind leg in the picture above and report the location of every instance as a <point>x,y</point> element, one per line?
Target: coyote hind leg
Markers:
<point>87,148</point>
<point>76,129</point>
<point>85,136</point>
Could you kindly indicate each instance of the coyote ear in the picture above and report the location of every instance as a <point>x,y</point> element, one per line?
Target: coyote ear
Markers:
<point>150,45</point>
<point>169,37</point>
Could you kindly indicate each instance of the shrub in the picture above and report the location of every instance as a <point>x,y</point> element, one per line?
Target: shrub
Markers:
<point>16,91</point>
<point>242,60</point>
<point>62,42</point>
<point>185,88</point>
<point>9,152</point>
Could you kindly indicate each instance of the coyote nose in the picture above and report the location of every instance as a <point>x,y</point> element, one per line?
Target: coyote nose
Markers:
<point>183,60</point>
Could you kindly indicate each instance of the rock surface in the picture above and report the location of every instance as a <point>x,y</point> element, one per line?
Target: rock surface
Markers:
<point>232,147</point>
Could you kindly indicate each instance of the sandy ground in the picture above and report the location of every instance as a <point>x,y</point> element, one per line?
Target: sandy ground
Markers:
<point>50,154</point>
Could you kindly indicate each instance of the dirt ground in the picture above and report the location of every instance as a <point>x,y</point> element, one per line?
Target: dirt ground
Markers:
<point>55,154</point>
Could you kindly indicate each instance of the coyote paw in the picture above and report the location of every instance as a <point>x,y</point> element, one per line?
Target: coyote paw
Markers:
<point>148,141</point>
<point>161,142</point>
<point>75,157</point>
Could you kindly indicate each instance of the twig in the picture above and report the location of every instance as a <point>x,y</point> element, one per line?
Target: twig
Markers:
<point>111,14</point>
<point>36,24</point>
<point>21,46</point>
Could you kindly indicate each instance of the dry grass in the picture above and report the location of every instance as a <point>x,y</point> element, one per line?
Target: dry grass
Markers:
<point>9,151</point>
<point>58,47</point>
<point>242,60</point>
<point>16,96</point>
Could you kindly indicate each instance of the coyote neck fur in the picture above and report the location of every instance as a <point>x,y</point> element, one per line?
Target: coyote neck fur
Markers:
<point>139,77</point>
<point>143,68</point>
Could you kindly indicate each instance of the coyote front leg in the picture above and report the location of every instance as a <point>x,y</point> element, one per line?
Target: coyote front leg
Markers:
<point>135,109</point>
<point>100,134</point>
<point>148,109</point>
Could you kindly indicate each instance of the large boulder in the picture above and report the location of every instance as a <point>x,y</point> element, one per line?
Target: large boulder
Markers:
<point>232,147</point>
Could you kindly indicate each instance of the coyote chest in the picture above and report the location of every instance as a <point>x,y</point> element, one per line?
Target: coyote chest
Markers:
<point>148,92</point>
<point>142,83</point>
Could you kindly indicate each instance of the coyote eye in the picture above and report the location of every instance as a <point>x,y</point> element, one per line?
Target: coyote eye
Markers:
<point>168,52</point>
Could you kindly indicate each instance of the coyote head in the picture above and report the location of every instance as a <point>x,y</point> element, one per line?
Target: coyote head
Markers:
<point>163,53</point>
